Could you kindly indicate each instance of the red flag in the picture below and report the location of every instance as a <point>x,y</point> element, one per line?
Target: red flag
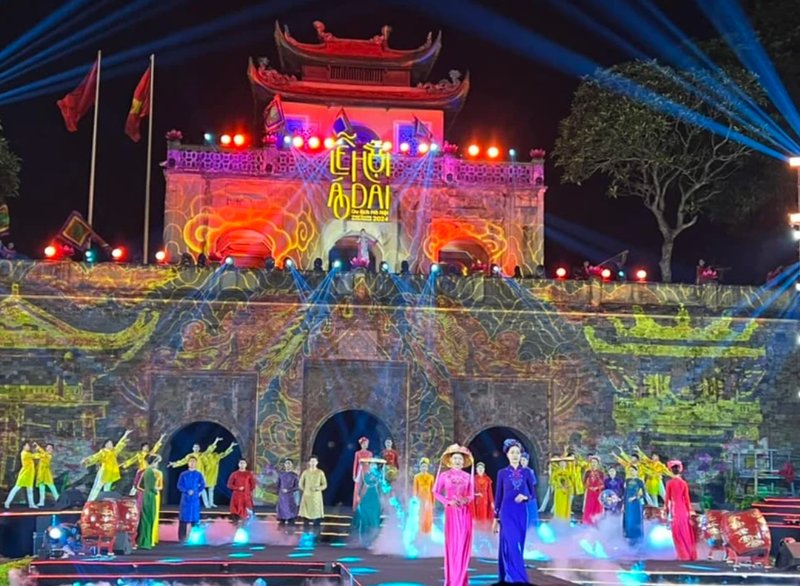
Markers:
<point>140,108</point>
<point>76,103</point>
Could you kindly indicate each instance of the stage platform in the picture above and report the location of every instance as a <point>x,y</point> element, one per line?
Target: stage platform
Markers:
<point>325,564</point>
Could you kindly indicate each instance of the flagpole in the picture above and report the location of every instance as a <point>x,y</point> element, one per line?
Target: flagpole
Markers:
<point>94,139</point>
<point>149,163</point>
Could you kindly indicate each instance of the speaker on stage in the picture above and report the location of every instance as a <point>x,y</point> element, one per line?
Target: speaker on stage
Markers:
<point>788,556</point>
<point>109,495</point>
<point>70,499</point>
<point>122,544</point>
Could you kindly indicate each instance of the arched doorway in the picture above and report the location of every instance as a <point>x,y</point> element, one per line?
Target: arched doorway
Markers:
<point>203,433</point>
<point>487,447</point>
<point>335,445</point>
<point>249,248</point>
<point>346,249</point>
<point>463,254</point>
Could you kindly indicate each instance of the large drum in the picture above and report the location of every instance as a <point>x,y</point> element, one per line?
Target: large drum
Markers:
<point>710,528</point>
<point>128,517</point>
<point>99,520</point>
<point>746,534</point>
<point>656,514</point>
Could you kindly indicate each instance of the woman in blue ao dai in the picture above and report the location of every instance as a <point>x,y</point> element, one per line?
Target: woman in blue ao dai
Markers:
<point>516,487</point>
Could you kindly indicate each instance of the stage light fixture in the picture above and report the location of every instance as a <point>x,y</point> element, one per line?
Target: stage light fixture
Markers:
<point>238,139</point>
<point>561,273</point>
<point>794,162</point>
<point>473,150</point>
<point>422,148</point>
<point>225,139</point>
<point>641,275</point>
<point>287,140</point>
<point>434,147</point>
<point>208,137</point>
<point>161,256</point>
<point>512,153</point>
<point>313,142</point>
<point>496,269</point>
<point>229,260</point>
<point>797,286</point>
<point>386,146</point>
<point>606,274</point>
<point>794,218</point>
<point>493,152</point>
<point>50,251</point>
<point>404,147</point>
<point>434,268</point>
<point>90,256</point>
<point>297,142</point>
<point>329,143</point>
<point>288,263</point>
<point>118,253</point>
<point>55,533</point>
<point>337,264</point>
<point>796,232</point>
<point>384,267</point>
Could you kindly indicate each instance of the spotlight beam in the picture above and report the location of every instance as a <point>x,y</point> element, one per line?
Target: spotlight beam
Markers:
<point>42,27</point>
<point>485,23</point>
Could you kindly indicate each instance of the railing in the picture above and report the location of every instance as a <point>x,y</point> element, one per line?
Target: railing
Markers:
<point>172,282</point>
<point>272,162</point>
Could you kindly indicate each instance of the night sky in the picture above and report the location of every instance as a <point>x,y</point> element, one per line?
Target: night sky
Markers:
<point>514,102</point>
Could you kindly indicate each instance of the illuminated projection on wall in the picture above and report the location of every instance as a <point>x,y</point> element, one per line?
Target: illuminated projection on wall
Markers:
<point>475,353</point>
<point>360,196</point>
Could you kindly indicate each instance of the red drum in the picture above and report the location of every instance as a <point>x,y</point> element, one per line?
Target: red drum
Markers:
<point>710,528</point>
<point>99,519</point>
<point>655,514</point>
<point>128,517</point>
<point>746,534</point>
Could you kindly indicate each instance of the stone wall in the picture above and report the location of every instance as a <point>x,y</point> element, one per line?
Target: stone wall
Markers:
<point>86,352</point>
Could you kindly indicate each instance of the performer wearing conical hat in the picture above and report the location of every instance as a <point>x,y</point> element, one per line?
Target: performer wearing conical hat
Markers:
<point>455,489</point>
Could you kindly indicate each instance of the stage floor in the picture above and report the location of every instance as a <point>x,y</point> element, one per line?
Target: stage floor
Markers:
<point>337,564</point>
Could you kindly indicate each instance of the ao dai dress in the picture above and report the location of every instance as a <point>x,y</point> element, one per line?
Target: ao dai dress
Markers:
<point>286,510</point>
<point>44,473</point>
<point>633,516</point>
<point>451,486</point>
<point>312,483</point>
<point>483,505</point>
<point>562,482</point>
<point>513,517</point>
<point>594,481</point>
<point>679,505</point>
<point>423,490</point>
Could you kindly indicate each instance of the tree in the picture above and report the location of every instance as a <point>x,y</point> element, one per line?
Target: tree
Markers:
<point>677,167</point>
<point>9,170</point>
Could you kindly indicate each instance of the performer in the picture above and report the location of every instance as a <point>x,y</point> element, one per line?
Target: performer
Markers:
<point>367,520</point>
<point>287,486</point>
<point>455,489</point>
<point>362,453</point>
<point>516,486</point>
<point>392,458</point>
<point>44,473</point>
<point>617,486</point>
<point>159,489</point>
<point>423,492</point>
<point>140,458</point>
<point>148,516</point>
<point>563,488</point>
<point>654,473</point>
<point>191,484</point>
<point>26,475</point>
<point>211,469</point>
<point>633,515</point>
<point>200,463</point>
<point>242,484</point>
<point>108,467</point>
<point>594,481</point>
<point>679,507</point>
<point>312,483</point>
<point>533,504</point>
<point>483,505</point>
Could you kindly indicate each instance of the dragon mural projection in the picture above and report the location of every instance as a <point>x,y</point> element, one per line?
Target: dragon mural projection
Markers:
<point>88,351</point>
